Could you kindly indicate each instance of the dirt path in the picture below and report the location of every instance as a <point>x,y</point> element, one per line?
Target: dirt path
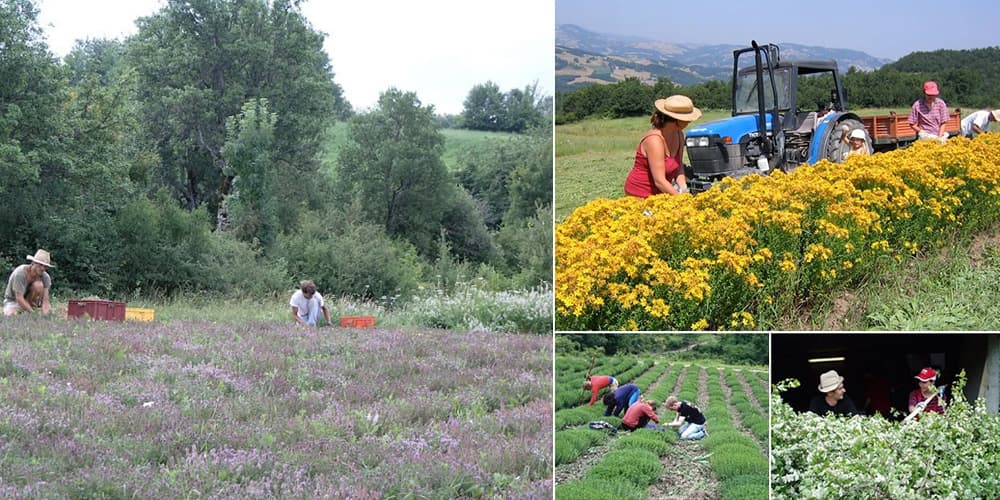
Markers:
<point>680,380</point>
<point>687,473</point>
<point>734,414</point>
<point>749,392</point>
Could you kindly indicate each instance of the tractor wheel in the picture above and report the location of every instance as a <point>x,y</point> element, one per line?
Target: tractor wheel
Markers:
<point>836,148</point>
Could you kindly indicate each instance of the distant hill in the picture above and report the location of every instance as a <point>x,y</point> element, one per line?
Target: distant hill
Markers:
<point>584,57</point>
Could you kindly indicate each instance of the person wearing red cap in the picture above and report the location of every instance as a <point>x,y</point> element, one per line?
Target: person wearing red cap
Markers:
<point>929,115</point>
<point>926,397</point>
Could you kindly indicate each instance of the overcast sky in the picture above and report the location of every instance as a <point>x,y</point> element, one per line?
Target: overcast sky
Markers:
<point>439,49</point>
<point>881,28</point>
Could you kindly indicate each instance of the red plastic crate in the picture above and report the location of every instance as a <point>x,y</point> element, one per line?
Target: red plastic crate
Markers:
<point>97,309</point>
<point>357,321</point>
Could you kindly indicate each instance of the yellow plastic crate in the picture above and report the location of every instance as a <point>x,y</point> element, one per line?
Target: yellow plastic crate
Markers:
<point>137,314</point>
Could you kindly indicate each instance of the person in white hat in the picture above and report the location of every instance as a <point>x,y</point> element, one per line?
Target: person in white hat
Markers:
<point>926,397</point>
<point>833,400</point>
<point>657,168</point>
<point>857,139</point>
<point>928,116</point>
<point>28,286</point>
<point>978,122</point>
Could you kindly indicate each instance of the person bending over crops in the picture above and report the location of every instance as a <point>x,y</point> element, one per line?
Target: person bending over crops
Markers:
<point>619,400</point>
<point>978,122</point>
<point>307,304</point>
<point>657,168</point>
<point>690,421</point>
<point>639,415</point>
<point>834,399</point>
<point>926,397</point>
<point>28,286</point>
<point>596,383</point>
<point>929,115</point>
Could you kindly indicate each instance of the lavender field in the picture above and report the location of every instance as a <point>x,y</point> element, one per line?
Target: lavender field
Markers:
<point>262,409</point>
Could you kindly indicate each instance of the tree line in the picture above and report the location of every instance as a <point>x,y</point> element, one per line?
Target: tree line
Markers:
<point>968,78</point>
<point>192,156</point>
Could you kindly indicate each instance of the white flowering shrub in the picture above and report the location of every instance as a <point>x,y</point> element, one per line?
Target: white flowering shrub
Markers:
<point>955,455</point>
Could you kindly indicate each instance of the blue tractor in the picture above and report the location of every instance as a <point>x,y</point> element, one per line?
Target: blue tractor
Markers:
<point>768,131</point>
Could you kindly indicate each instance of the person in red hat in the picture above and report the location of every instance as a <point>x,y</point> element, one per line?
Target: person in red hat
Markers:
<point>28,286</point>
<point>929,115</point>
<point>926,397</point>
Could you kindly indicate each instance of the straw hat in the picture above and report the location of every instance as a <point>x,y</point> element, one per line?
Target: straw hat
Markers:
<point>829,381</point>
<point>926,374</point>
<point>996,114</point>
<point>931,88</point>
<point>679,107</point>
<point>858,134</point>
<point>41,257</point>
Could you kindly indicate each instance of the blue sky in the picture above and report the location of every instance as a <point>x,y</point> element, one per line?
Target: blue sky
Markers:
<point>888,29</point>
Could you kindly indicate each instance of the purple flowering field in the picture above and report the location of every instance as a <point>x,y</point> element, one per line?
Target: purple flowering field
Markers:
<point>262,410</point>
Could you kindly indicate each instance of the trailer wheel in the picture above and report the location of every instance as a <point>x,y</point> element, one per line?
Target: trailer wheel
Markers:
<point>836,148</point>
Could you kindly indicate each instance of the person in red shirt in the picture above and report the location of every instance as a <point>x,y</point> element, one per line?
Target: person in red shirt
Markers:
<point>657,168</point>
<point>595,383</point>
<point>639,414</point>
<point>926,397</point>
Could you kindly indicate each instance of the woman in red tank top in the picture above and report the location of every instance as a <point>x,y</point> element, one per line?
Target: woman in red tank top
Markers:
<point>658,157</point>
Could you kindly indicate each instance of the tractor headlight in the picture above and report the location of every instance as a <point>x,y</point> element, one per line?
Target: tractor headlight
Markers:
<point>696,142</point>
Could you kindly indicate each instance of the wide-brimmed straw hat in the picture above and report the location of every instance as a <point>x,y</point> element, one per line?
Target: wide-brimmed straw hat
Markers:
<point>679,107</point>
<point>927,374</point>
<point>931,88</point>
<point>996,114</point>
<point>41,257</point>
<point>829,381</point>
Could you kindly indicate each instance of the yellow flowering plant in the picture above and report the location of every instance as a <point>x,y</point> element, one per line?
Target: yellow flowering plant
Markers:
<point>749,250</point>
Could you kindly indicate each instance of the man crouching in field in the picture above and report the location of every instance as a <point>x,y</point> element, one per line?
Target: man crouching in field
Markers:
<point>28,286</point>
<point>689,421</point>
<point>307,303</point>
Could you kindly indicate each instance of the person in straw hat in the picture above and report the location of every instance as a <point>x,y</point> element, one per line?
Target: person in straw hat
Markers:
<point>978,122</point>
<point>857,140</point>
<point>926,396</point>
<point>28,286</point>
<point>657,168</point>
<point>833,400</point>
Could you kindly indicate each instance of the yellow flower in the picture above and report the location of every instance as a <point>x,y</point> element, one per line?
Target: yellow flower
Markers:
<point>699,325</point>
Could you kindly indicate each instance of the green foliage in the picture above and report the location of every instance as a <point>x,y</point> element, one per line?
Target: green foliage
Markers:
<point>349,258</point>
<point>392,167</point>
<point>745,487</point>
<point>949,455</point>
<point>571,443</point>
<point>248,158</point>
<point>738,349</point>
<point>599,489</point>
<point>198,62</point>
<point>486,108</point>
<point>636,466</point>
<point>526,249</point>
<point>654,441</point>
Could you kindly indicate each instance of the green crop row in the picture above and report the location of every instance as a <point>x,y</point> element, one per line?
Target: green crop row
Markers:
<point>625,472</point>
<point>571,443</point>
<point>737,460</point>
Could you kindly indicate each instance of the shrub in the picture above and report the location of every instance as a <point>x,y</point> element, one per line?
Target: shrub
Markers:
<point>599,489</point>
<point>730,460</point>
<point>744,487</point>
<point>639,467</point>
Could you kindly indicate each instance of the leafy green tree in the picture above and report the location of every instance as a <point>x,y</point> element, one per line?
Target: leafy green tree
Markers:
<point>391,166</point>
<point>199,61</point>
<point>483,108</point>
<point>248,156</point>
<point>522,110</point>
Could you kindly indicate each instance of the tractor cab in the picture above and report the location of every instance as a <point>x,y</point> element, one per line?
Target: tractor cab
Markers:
<point>769,129</point>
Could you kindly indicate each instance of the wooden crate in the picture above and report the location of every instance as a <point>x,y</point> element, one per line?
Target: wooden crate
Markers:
<point>139,314</point>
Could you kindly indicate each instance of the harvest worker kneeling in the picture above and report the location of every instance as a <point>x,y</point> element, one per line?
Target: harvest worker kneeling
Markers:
<point>690,422</point>
<point>28,286</point>
<point>307,303</point>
